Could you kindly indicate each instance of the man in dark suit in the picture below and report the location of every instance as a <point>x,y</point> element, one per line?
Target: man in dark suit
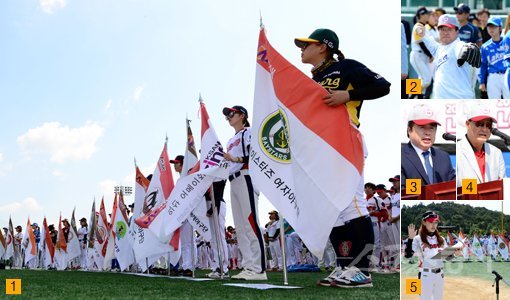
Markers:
<point>419,160</point>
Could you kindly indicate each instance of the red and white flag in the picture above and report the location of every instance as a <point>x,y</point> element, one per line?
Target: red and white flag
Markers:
<point>61,248</point>
<point>122,240</point>
<point>9,240</point>
<point>198,217</point>
<point>190,189</point>
<point>73,244</point>
<point>29,243</point>
<point>47,243</point>
<point>146,244</point>
<point>306,157</point>
<point>3,244</point>
<point>11,250</point>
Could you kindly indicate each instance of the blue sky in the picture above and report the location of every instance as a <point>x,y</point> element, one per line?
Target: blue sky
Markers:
<point>86,86</point>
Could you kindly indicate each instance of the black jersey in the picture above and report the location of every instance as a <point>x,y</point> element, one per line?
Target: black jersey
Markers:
<point>353,76</point>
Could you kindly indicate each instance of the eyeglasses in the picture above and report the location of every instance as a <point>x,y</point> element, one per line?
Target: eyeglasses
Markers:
<point>308,44</point>
<point>488,125</point>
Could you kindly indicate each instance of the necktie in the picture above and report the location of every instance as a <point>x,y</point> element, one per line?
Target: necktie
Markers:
<point>428,166</point>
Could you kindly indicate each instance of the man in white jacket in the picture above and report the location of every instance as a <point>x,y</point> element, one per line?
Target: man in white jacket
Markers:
<point>478,159</point>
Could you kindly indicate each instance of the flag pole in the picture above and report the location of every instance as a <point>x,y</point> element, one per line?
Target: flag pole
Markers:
<point>192,252</point>
<point>147,263</point>
<point>502,225</point>
<point>217,229</point>
<point>284,252</point>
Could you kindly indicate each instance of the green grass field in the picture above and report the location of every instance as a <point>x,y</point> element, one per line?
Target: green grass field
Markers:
<point>91,285</point>
<point>457,268</point>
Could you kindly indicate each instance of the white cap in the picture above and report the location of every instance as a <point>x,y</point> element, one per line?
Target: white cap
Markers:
<point>480,111</point>
<point>423,114</point>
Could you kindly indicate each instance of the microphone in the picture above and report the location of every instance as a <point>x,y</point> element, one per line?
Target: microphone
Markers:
<point>498,277</point>
<point>503,136</point>
<point>449,137</point>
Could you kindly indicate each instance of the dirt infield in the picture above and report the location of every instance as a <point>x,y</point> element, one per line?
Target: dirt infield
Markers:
<point>466,288</point>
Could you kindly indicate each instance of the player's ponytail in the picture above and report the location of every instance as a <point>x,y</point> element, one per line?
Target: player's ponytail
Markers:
<point>339,54</point>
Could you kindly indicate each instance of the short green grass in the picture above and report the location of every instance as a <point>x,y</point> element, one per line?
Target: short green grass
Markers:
<point>98,285</point>
<point>458,268</point>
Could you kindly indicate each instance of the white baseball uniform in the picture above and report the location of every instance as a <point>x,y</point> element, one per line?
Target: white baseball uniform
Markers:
<point>420,61</point>
<point>451,81</point>
<point>431,270</point>
<point>245,198</point>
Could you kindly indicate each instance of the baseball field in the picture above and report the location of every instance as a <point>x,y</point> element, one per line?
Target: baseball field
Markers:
<point>94,285</point>
<point>465,280</point>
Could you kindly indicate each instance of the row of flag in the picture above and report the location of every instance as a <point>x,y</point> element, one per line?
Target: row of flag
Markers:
<point>495,244</point>
<point>299,159</point>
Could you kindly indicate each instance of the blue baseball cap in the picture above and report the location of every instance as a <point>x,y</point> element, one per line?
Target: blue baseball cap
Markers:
<point>494,21</point>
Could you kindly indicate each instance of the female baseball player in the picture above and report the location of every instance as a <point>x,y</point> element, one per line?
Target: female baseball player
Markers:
<point>244,197</point>
<point>425,245</point>
<point>349,83</point>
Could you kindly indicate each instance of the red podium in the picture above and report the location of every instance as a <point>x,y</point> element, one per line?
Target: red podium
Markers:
<point>437,191</point>
<point>492,190</point>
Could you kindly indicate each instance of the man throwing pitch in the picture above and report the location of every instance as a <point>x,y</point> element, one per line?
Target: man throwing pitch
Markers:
<point>455,62</point>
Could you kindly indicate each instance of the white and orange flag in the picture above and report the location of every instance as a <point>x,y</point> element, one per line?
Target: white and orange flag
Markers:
<point>61,248</point>
<point>48,247</point>
<point>122,240</point>
<point>147,244</point>
<point>190,189</point>
<point>306,157</point>
<point>29,243</point>
<point>101,236</point>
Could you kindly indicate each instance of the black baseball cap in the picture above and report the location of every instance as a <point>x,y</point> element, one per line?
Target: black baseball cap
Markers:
<point>395,178</point>
<point>321,35</point>
<point>236,108</point>
<point>462,8</point>
<point>380,187</point>
<point>132,205</point>
<point>83,220</point>
<point>423,11</point>
<point>178,159</point>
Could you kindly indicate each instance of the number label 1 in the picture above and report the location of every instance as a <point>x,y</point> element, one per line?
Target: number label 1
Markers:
<point>413,86</point>
<point>13,286</point>
<point>469,186</point>
<point>413,286</point>
<point>413,186</point>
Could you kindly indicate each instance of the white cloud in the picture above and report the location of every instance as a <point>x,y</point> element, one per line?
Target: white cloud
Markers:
<point>61,142</point>
<point>106,187</point>
<point>108,104</point>
<point>49,6</point>
<point>1,157</point>
<point>57,173</point>
<point>28,205</point>
<point>138,93</point>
